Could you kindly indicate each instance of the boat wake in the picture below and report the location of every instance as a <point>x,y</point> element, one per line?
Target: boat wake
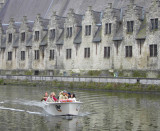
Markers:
<point>19,110</point>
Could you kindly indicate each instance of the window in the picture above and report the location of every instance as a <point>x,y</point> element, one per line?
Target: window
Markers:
<point>68,53</point>
<point>106,52</point>
<point>51,55</point>
<point>140,43</point>
<point>23,37</point>
<point>22,55</point>
<point>153,50</point>
<point>36,38</point>
<point>108,28</point>
<point>36,54</point>
<point>69,32</point>
<point>130,25</point>
<point>128,51</point>
<point>86,52</point>
<point>52,34</point>
<point>154,24</point>
<point>10,38</point>
<point>9,55</point>
<point>88,30</point>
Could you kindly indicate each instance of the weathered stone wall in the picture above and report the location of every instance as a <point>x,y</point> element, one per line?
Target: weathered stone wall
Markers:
<point>116,40</point>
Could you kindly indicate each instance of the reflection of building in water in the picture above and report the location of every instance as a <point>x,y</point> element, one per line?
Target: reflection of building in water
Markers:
<point>64,123</point>
<point>100,38</point>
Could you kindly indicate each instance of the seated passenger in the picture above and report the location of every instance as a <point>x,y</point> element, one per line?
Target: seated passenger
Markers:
<point>45,97</point>
<point>69,95</point>
<point>63,95</point>
<point>73,97</point>
<point>52,97</point>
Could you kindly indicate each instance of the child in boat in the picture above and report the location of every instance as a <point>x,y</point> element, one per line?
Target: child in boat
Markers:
<point>45,97</point>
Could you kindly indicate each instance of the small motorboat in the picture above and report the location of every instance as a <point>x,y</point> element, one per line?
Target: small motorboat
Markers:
<point>63,107</point>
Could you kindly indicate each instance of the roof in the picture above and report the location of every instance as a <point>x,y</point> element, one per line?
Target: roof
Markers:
<point>97,16</point>
<point>97,36</point>
<point>29,40</point>
<point>19,8</point>
<point>119,34</point>
<point>60,40</point>
<point>3,44</point>
<point>78,38</point>
<point>44,38</point>
<point>142,31</point>
<point>16,41</point>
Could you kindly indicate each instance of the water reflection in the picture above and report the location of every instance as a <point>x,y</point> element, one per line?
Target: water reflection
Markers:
<point>21,109</point>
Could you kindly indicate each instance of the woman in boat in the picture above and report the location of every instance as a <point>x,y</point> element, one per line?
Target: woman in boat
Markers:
<point>52,97</point>
<point>45,97</point>
<point>73,97</point>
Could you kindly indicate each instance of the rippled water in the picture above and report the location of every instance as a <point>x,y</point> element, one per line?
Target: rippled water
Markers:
<point>21,109</point>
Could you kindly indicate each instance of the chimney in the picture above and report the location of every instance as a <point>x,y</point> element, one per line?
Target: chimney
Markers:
<point>71,11</point>
<point>110,5</point>
<point>89,8</point>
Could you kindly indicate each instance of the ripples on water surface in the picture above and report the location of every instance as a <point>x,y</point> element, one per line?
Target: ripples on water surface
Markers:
<point>21,109</point>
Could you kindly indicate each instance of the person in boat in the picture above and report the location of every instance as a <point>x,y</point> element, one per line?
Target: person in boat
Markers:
<point>69,95</point>
<point>45,97</point>
<point>63,95</point>
<point>52,97</point>
<point>73,97</point>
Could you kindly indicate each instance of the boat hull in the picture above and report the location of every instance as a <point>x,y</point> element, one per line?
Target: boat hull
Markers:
<point>63,109</point>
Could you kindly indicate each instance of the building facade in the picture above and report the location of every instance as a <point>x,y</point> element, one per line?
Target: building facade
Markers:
<point>113,39</point>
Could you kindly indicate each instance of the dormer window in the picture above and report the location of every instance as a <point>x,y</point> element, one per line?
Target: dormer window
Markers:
<point>23,37</point>
<point>108,28</point>
<point>10,38</point>
<point>69,32</point>
<point>52,34</point>
<point>36,38</point>
<point>130,25</point>
<point>154,24</point>
<point>88,30</point>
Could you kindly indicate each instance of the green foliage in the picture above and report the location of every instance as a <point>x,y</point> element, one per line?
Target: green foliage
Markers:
<point>1,81</point>
<point>94,73</point>
<point>139,74</point>
<point>28,73</point>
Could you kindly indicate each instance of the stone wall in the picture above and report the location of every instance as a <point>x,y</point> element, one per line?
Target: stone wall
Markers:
<point>111,39</point>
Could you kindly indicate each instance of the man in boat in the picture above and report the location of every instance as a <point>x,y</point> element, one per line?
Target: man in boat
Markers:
<point>45,97</point>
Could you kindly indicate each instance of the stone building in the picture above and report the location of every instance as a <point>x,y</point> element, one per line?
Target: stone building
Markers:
<point>123,39</point>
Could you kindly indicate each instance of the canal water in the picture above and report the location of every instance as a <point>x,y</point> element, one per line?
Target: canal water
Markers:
<point>21,110</point>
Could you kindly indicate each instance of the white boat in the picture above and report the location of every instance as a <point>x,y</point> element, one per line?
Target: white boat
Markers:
<point>62,108</point>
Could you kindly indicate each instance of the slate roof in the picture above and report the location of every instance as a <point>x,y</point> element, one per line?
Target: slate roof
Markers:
<point>78,37</point>
<point>119,34</point>
<point>30,8</point>
<point>142,31</point>
<point>97,16</point>
<point>30,26</point>
<point>97,36</point>
<point>44,38</point>
<point>3,44</point>
<point>78,19</point>
<point>4,28</point>
<point>60,39</point>
<point>16,41</point>
<point>29,40</point>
